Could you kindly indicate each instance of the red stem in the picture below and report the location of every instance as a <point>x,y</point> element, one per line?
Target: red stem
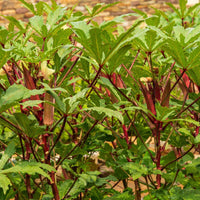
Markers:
<point>54,186</point>
<point>125,133</point>
<point>47,161</point>
<point>133,62</point>
<point>178,158</point>
<point>28,177</point>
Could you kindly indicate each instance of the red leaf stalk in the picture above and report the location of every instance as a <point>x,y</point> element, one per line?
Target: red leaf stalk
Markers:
<point>156,89</point>
<point>125,129</point>
<point>148,98</point>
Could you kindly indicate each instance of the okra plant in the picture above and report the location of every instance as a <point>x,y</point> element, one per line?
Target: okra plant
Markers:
<point>71,88</point>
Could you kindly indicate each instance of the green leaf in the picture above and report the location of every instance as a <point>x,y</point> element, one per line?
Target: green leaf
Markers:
<point>4,182</point>
<point>180,34</point>
<point>40,6</point>
<point>90,176</point>
<point>96,194</point>
<point>159,32</point>
<point>192,35</point>
<point>77,96</point>
<point>120,174</point>
<point>10,150</point>
<point>135,169</point>
<point>140,13</point>
<point>118,58</point>
<point>196,123</point>
<point>108,112</point>
<point>61,37</point>
<point>193,59</point>
<point>88,9</point>
<point>30,168</point>
<point>15,22</point>
<point>64,187</point>
<point>98,8</point>
<point>108,25</point>
<point>182,4</point>
<point>175,50</point>
<point>186,132</point>
<point>54,5</point>
<point>106,82</point>
<point>55,15</point>
<point>152,20</point>
<point>37,22</point>
<point>192,8</point>
<point>29,6</point>
<point>168,158</point>
<point>96,44</point>
<point>28,125</point>
<point>14,94</point>
<point>8,120</point>
<point>161,13</point>
<point>81,29</point>
<point>60,104</point>
<point>3,35</point>
<point>194,167</point>
<point>4,55</point>
<point>163,112</point>
<point>197,139</point>
<point>119,196</point>
<point>193,73</point>
<point>122,40</point>
<point>175,9</point>
<point>150,40</point>
<point>187,193</point>
<point>31,103</point>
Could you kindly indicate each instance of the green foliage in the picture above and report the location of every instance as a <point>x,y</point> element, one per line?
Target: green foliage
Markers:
<point>87,108</point>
